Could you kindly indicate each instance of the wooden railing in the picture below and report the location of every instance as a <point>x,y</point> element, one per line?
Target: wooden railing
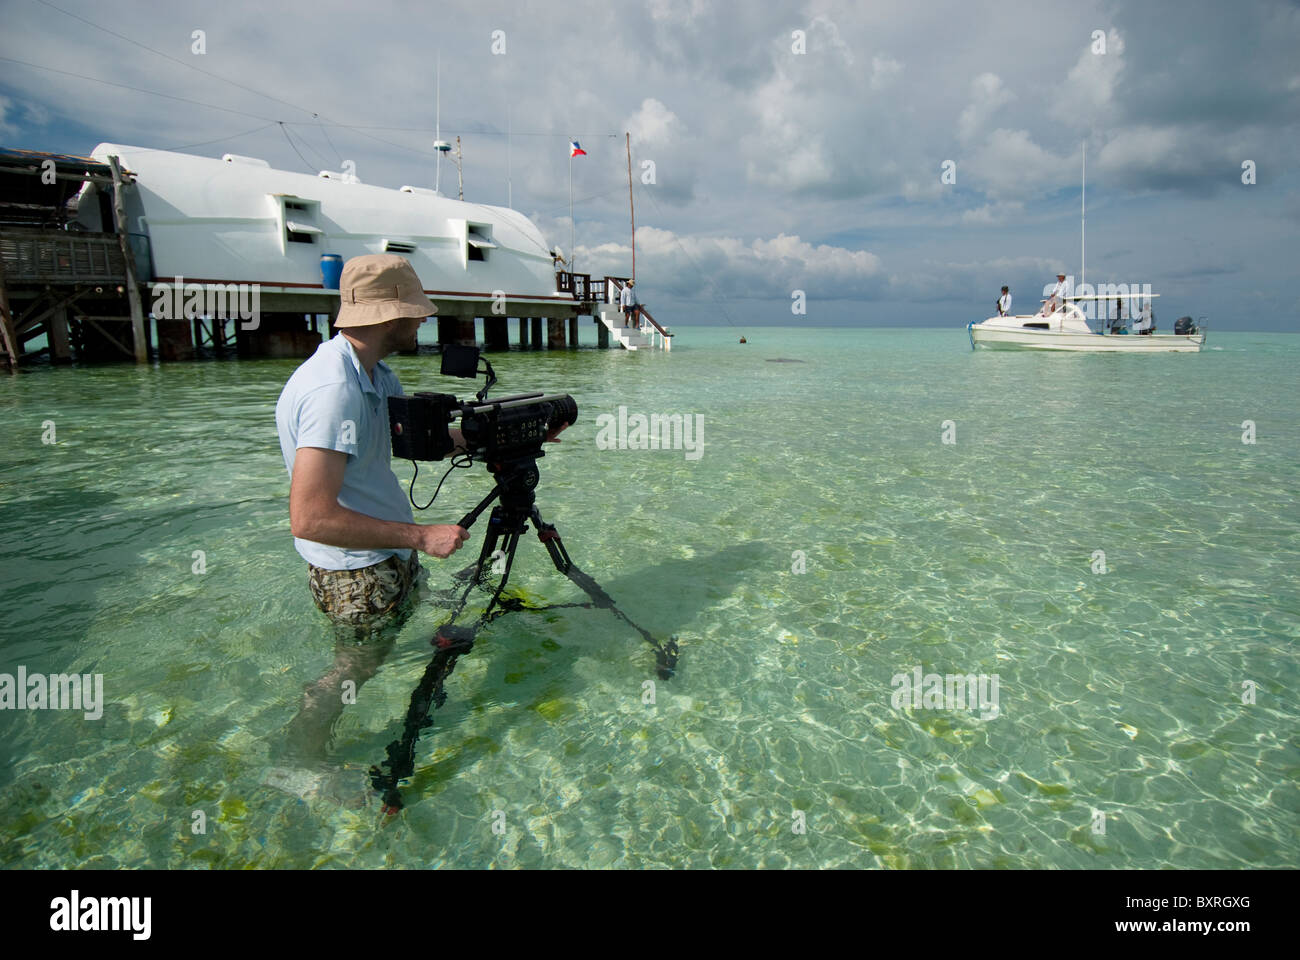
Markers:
<point>586,290</point>
<point>576,284</point>
<point>645,316</point>
<point>57,255</point>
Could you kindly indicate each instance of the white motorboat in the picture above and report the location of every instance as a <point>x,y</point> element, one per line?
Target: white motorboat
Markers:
<point>1067,329</point>
<point>1063,324</point>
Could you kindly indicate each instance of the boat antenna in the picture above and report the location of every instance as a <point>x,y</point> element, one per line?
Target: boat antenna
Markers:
<point>1083,223</point>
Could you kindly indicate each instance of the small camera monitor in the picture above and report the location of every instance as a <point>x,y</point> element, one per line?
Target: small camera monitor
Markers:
<point>458,361</point>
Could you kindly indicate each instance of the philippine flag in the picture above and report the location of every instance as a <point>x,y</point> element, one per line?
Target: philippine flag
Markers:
<point>575,150</point>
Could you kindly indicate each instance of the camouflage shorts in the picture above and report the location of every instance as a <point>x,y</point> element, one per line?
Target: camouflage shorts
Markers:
<point>364,597</point>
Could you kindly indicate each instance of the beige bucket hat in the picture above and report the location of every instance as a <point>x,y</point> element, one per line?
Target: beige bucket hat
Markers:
<point>380,287</point>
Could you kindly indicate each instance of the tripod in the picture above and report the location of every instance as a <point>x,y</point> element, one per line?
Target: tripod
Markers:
<point>515,482</point>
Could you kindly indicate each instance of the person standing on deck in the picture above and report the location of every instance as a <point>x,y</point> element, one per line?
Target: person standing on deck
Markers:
<point>1146,322</point>
<point>1004,303</point>
<point>627,300</point>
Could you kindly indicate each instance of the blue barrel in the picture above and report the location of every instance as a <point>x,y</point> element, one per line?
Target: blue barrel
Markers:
<point>331,269</point>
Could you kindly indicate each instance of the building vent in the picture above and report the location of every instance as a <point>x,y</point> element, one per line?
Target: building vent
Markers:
<point>299,220</point>
<point>478,237</point>
<point>398,246</point>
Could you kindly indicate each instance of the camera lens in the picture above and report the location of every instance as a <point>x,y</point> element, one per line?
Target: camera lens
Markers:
<point>563,410</point>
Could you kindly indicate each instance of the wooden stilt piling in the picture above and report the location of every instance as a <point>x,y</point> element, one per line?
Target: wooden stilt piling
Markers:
<point>555,333</point>
<point>132,290</point>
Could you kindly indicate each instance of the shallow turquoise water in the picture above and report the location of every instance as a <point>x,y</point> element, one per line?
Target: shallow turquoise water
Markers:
<point>1120,693</point>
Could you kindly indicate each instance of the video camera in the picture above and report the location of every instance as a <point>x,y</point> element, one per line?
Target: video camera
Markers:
<point>511,428</point>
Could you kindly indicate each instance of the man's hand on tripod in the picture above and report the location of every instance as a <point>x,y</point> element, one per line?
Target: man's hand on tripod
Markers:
<point>441,540</point>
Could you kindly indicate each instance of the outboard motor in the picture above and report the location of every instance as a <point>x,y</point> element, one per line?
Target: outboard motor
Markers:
<point>1184,326</point>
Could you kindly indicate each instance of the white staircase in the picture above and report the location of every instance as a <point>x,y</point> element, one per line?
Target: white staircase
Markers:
<point>630,337</point>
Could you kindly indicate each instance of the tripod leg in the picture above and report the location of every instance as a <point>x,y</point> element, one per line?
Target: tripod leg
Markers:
<point>490,539</point>
<point>450,642</point>
<point>550,538</point>
<point>665,654</point>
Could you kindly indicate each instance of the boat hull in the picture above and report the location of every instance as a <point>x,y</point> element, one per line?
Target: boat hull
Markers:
<point>1029,339</point>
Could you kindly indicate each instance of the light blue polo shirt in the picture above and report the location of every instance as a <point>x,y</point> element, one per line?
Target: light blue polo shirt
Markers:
<point>331,403</point>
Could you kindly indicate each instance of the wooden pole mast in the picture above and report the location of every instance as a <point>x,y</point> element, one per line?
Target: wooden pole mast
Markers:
<point>631,204</point>
<point>132,291</point>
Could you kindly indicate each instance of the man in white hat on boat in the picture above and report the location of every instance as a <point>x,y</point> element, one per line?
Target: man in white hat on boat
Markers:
<point>1056,298</point>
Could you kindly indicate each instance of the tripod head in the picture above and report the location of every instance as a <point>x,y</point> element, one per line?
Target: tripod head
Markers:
<point>516,481</point>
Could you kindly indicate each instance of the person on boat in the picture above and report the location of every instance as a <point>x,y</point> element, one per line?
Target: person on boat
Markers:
<point>349,516</point>
<point>627,300</point>
<point>1056,299</point>
<point>1004,303</point>
<point>1146,323</point>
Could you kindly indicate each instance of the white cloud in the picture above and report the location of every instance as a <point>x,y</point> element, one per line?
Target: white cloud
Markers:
<point>822,33</point>
<point>682,12</point>
<point>654,124</point>
<point>788,153</point>
<point>694,267</point>
<point>1085,98</point>
<point>1139,147</point>
<point>1011,165</point>
<point>993,213</point>
<point>987,94</point>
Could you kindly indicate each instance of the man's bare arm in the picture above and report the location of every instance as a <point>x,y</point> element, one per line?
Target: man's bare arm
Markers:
<point>315,513</point>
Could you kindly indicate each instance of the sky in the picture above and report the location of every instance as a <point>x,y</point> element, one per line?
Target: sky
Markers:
<point>895,162</point>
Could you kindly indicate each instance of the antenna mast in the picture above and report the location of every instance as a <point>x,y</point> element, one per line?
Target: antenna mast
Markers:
<point>440,146</point>
<point>1083,223</point>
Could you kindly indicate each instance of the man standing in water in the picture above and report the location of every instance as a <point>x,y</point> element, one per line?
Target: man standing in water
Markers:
<point>350,518</point>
